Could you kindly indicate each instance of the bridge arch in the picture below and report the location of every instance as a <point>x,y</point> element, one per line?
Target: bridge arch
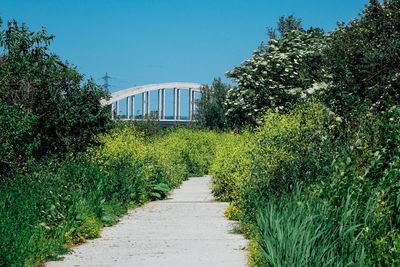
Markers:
<point>144,91</point>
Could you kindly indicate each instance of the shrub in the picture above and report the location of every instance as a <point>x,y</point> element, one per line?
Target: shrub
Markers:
<point>170,153</point>
<point>231,166</point>
<point>200,150</point>
<point>18,141</point>
<point>289,149</point>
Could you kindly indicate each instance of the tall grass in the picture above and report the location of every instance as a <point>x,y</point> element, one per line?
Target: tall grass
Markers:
<point>298,232</point>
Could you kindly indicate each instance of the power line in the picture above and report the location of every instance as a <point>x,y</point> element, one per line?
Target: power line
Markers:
<point>106,79</point>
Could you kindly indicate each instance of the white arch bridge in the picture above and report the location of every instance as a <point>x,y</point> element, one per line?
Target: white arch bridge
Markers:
<point>163,102</point>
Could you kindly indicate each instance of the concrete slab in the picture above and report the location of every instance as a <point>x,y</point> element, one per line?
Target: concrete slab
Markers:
<point>188,229</point>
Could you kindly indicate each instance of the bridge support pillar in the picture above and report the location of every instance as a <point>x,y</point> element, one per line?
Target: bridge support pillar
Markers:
<point>112,110</point>
<point>161,104</point>
<point>148,103</point>
<point>193,104</point>
<point>117,109</point>
<point>128,108</point>
<point>190,104</point>
<point>145,104</point>
<point>133,107</point>
<point>177,104</point>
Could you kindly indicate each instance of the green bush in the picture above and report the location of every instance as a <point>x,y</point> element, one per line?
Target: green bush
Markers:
<point>18,141</point>
<point>289,149</point>
<point>51,209</point>
<point>200,151</point>
<point>288,146</point>
<point>231,166</point>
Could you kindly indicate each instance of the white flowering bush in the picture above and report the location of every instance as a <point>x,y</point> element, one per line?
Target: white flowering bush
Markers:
<point>278,75</point>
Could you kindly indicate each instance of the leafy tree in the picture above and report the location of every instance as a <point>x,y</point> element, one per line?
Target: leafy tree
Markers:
<point>285,25</point>
<point>279,75</point>
<point>364,60</point>
<point>211,107</point>
<point>67,109</point>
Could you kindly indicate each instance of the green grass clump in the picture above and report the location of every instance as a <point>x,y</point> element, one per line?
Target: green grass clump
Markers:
<point>307,233</point>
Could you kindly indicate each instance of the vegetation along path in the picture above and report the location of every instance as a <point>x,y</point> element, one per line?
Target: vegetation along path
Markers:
<point>188,229</point>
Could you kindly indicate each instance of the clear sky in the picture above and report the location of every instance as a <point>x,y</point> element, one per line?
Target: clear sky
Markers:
<point>148,41</point>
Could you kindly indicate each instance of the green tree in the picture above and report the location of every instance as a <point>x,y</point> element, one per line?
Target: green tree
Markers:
<point>67,108</point>
<point>285,25</point>
<point>364,60</point>
<point>279,75</point>
<point>211,106</point>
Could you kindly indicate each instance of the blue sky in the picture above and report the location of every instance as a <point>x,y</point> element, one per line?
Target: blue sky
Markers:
<point>147,41</point>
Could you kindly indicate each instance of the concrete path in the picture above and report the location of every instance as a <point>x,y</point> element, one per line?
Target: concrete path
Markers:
<point>188,229</point>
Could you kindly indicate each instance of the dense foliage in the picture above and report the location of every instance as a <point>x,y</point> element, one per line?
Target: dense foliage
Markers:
<point>18,142</point>
<point>279,75</point>
<point>317,182</point>
<point>364,60</point>
<point>211,107</point>
<point>65,110</point>
<point>55,209</point>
